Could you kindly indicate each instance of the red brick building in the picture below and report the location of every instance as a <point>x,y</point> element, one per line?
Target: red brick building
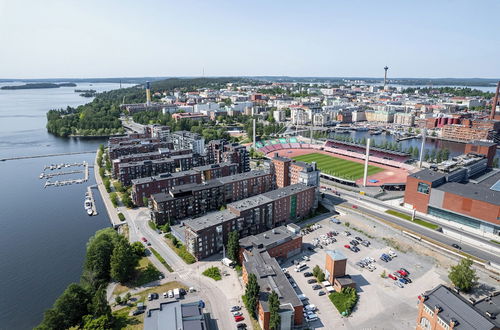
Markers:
<point>282,170</point>
<point>335,265</point>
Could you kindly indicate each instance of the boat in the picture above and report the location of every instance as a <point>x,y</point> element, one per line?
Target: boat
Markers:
<point>41,176</point>
<point>375,132</point>
<point>90,212</point>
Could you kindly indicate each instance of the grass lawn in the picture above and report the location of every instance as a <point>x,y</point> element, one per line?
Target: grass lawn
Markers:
<point>213,272</point>
<point>145,272</point>
<point>160,259</point>
<point>338,167</point>
<point>345,300</point>
<point>417,221</point>
<point>179,248</point>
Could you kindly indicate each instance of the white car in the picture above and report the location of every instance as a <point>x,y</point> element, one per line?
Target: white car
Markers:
<point>237,313</point>
<point>306,258</point>
<point>311,317</point>
<point>392,254</point>
<point>165,295</point>
<point>170,294</point>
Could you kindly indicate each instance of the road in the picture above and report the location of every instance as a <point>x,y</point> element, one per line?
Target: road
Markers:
<point>363,206</point>
<point>219,296</point>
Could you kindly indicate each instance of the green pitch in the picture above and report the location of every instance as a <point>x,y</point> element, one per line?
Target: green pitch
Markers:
<point>338,167</point>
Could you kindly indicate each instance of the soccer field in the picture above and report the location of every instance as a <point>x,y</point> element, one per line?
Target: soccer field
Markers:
<point>338,167</point>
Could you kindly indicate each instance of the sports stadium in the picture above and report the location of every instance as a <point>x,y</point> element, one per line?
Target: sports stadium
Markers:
<point>344,162</point>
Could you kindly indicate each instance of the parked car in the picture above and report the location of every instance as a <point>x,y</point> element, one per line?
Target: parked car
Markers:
<point>402,273</point>
<point>237,313</point>
<point>398,275</point>
<point>138,311</point>
<point>359,238</point>
<point>316,287</point>
<point>306,258</point>
<point>321,293</point>
<point>403,280</point>
<point>355,249</point>
<point>365,243</point>
<point>347,233</point>
<point>456,246</point>
<point>311,281</point>
<point>399,284</point>
<point>310,248</point>
<point>239,318</point>
<point>392,277</point>
<point>347,246</point>
<point>165,295</point>
<point>235,308</point>
<point>403,269</point>
<point>170,293</point>
<point>153,296</point>
<point>354,206</point>
<point>144,239</point>
<point>241,326</point>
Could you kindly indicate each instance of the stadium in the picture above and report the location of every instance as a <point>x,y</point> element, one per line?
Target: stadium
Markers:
<point>344,162</point>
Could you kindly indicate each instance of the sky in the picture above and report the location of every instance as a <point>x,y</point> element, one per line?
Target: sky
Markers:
<point>331,38</point>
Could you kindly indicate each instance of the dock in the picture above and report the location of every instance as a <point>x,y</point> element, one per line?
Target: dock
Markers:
<point>59,183</point>
<point>48,155</point>
<point>51,175</point>
<point>91,195</point>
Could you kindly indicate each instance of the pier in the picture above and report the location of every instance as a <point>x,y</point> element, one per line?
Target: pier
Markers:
<point>91,195</point>
<point>51,175</point>
<point>59,183</point>
<point>48,155</point>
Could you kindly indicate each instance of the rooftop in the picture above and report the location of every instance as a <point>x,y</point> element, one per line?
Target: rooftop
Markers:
<point>212,166</point>
<point>250,202</point>
<point>428,175</point>
<point>286,191</point>
<point>173,315</point>
<point>242,176</point>
<point>336,254</point>
<point>454,306</point>
<point>478,191</point>
<point>209,220</point>
<point>164,176</point>
<point>270,278</point>
<point>268,239</point>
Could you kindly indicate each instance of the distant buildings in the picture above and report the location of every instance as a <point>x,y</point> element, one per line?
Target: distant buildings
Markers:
<point>443,308</point>
<point>187,140</point>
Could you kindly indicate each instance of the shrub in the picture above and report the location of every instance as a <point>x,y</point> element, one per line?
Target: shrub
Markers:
<point>213,272</point>
<point>344,300</point>
<point>121,216</point>
<point>114,199</point>
<point>107,184</point>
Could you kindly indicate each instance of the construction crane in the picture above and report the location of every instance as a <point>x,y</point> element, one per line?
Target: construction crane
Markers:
<point>495,102</point>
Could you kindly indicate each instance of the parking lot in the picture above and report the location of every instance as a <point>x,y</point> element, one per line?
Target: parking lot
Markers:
<point>378,297</point>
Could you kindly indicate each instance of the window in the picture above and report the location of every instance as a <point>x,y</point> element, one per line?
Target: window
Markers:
<point>423,188</point>
<point>443,323</point>
<point>424,323</point>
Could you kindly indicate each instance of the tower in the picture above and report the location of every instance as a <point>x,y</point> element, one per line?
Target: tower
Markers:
<point>385,75</point>
<point>148,93</point>
<point>365,175</point>
<point>495,102</point>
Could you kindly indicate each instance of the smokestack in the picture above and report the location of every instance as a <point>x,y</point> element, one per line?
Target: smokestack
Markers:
<point>148,93</point>
<point>495,102</point>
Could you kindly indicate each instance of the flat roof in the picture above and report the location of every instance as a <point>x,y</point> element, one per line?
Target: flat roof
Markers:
<point>336,254</point>
<point>428,175</point>
<point>270,278</point>
<point>212,166</point>
<point>250,202</point>
<point>268,238</point>
<point>147,161</point>
<point>164,176</point>
<point>172,315</point>
<point>478,191</point>
<point>286,191</point>
<point>195,186</point>
<point>490,305</point>
<point>209,220</point>
<point>458,308</point>
<point>242,176</point>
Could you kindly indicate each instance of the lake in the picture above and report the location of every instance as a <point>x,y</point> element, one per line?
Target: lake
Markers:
<point>43,231</point>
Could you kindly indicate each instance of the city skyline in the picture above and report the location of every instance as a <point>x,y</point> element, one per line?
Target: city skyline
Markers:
<point>91,39</point>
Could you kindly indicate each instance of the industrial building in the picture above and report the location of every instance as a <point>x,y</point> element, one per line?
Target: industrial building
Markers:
<point>463,190</point>
<point>174,315</point>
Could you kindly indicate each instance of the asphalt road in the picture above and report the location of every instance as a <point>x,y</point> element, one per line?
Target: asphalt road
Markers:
<point>363,206</point>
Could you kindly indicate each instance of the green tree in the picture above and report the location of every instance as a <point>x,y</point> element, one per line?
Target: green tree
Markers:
<point>274,306</point>
<point>123,261</point>
<point>233,245</point>
<point>98,257</point>
<point>103,322</point>
<point>114,199</point>
<point>426,155</point>
<point>73,305</point>
<point>99,305</point>
<point>138,249</point>
<point>145,201</point>
<point>252,290</point>
<point>446,154</point>
<point>463,276</point>
<point>415,153</point>
<point>52,319</point>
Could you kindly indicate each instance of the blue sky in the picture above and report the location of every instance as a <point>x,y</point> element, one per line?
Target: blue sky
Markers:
<point>108,38</point>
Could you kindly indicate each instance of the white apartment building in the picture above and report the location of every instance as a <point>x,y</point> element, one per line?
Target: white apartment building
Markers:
<point>279,115</point>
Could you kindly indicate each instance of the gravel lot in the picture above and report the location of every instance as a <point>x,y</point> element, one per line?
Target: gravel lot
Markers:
<point>382,304</point>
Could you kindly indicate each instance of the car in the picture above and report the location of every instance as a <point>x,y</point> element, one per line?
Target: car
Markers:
<point>182,292</point>
<point>354,206</point>
<point>398,275</point>
<point>321,293</point>
<point>165,295</point>
<point>144,239</point>
<point>153,296</point>
<point>235,308</point>
<point>237,313</point>
<point>456,246</point>
<point>392,277</point>
<point>148,243</point>
<point>150,297</point>
<point>403,280</point>
<point>311,317</point>
<point>347,246</point>
<point>310,248</point>
<point>347,233</point>
<point>360,264</point>
<point>294,285</point>
<point>402,273</point>
<point>399,284</point>
<point>239,318</point>
<point>355,249</point>
<point>392,254</point>
<point>308,274</point>
<point>311,281</point>
<point>170,293</point>
<point>316,287</point>
<point>138,311</point>
<point>406,271</point>
<point>306,258</point>
<point>241,326</point>
<point>359,238</point>
<point>365,243</point>
<point>287,275</point>
<point>408,279</point>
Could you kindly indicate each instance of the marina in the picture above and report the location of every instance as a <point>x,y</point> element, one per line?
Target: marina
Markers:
<point>89,203</point>
<point>59,183</point>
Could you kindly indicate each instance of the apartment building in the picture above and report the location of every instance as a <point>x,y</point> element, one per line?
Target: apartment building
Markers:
<point>281,170</point>
<point>443,308</point>
<point>206,235</point>
<point>188,140</point>
<point>194,200</point>
<point>214,171</point>
<point>158,154</point>
<point>136,147</point>
<point>224,151</point>
<point>405,119</point>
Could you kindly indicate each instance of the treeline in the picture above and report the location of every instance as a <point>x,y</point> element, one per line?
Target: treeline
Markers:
<point>456,91</point>
<point>97,118</point>
<point>191,84</point>
<point>39,86</point>
<point>109,256</point>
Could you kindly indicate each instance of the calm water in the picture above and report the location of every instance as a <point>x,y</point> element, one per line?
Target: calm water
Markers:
<point>43,231</point>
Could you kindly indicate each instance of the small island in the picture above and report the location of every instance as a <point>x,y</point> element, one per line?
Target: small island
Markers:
<point>86,92</point>
<point>39,86</point>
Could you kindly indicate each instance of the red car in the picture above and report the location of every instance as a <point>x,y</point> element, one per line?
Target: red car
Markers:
<point>402,273</point>
<point>392,277</point>
<point>347,246</point>
<point>239,318</point>
<point>144,239</point>
<point>354,206</point>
